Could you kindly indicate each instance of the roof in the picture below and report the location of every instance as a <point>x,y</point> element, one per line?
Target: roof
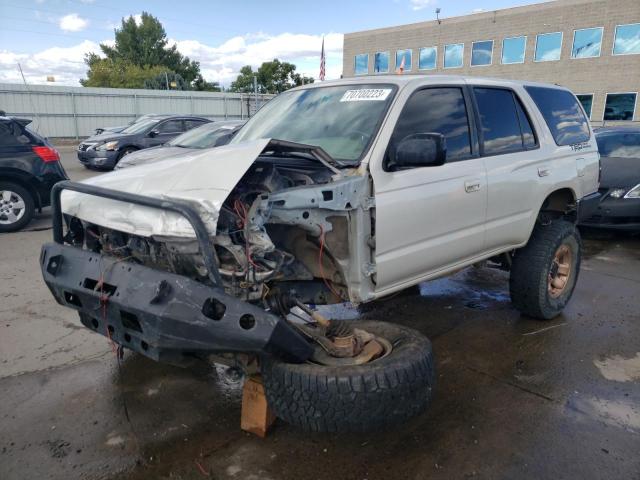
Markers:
<point>617,129</point>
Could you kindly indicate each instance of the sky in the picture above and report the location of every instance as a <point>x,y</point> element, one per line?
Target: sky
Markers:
<point>51,37</point>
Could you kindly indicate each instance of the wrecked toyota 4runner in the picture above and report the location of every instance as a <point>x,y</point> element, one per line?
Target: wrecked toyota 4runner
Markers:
<point>340,191</point>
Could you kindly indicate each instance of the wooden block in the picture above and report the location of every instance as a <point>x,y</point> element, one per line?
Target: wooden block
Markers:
<point>256,416</point>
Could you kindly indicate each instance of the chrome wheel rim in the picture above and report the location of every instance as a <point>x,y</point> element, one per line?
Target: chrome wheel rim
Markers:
<point>12,207</point>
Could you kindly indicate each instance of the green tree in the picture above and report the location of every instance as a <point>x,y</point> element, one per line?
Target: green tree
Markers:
<point>144,46</point>
<point>118,74</point>
<point>273,77</point>
<point>166,81</point>
<point>202,85</point>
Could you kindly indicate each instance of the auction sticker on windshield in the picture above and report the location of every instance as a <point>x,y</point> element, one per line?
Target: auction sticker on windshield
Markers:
<point>366,95</point>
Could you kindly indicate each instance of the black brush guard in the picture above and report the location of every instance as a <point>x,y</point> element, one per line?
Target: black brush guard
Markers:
<point>164,316</point>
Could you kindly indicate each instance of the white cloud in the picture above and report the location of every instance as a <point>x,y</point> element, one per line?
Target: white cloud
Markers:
<point>73,23</point>
<point>419,4</point>
<point>65,64</point>
<point>220,63</point>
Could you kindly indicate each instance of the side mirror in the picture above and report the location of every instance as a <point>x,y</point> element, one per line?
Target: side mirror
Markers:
<point>154,133</point>
<point>421,150</point>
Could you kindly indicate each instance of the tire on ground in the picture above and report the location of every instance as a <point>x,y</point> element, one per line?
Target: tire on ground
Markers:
<point>29,203</point>
<point>359,398</point>
<point>532,264</point>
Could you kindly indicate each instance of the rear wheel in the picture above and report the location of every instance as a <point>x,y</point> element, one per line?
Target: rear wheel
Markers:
<point>381,393</point>
<point>544,272</point>
<point>16,207</point>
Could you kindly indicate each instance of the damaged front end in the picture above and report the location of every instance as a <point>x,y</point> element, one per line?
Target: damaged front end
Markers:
<point>201,267</point>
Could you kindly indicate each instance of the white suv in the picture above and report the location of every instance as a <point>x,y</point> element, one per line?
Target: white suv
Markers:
<point>340,191</point>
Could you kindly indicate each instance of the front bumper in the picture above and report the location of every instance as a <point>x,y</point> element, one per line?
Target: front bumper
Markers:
<point>161,315</point>
<point>99,159</point>
<point>615,213</point>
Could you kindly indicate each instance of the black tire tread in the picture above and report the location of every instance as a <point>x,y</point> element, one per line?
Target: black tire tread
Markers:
<point>356,398</point>
<point>529,269</point>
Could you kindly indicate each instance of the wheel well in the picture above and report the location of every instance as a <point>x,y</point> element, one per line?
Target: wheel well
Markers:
<point>560,203</point>
<point>27,186</point>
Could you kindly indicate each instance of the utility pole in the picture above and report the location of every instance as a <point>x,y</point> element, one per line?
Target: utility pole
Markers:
<point>166,79</point>
<point>255,91</point>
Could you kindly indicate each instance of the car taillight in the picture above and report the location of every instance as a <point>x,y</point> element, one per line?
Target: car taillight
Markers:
<point>47,154</point>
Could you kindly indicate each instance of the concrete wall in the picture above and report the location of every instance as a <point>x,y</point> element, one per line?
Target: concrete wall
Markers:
<point>77,111</point>
<point>598,76</point>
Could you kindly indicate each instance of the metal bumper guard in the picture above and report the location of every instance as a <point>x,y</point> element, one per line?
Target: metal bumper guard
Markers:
<point>161,315</point>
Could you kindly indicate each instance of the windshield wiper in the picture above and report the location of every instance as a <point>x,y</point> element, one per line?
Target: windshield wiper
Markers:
<point>303,150</point>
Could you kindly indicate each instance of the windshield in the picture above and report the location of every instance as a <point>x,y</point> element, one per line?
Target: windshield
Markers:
<point>140,126</point>
<point>205,136</point>
<point>342,119</point>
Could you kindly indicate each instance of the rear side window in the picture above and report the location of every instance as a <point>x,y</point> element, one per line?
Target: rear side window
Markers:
<point>621,145</point>
<point>505,126</point>
<point>12,135</point>
<point>562,112</point>
<point>436,110</point>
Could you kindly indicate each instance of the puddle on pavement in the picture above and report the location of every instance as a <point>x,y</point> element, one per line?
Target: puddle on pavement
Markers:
<point>619,369</point>
<point>622,414</point>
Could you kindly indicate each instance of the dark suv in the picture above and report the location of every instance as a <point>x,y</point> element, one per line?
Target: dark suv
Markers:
<point>29,167</point>
<point>105,150</point>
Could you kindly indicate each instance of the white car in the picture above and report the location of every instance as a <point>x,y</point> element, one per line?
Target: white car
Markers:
<point>341,191</point>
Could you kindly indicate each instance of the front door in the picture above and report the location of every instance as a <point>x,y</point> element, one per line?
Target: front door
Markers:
<point>430,219</point>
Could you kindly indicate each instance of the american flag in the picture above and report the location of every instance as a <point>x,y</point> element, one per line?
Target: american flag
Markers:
<point>322,62</point>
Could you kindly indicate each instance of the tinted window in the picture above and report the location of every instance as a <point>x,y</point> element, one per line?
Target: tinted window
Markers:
<point>627,39</point>
<point>381,63</point>
<point>623,145</point>
<point>620,106</point>
<point>436,110</point>
<point>189,124</point>
<point>453,55</point>
<point>513,50</point>
<point>481,53</point>
<point>548,47</point>
<point>170,126</point>
<point>11,135</point>
<point>499,121</point>
<point>362,64</point>
<point>403,60</point>
<point>428,58</point>
<point>587,103</point>
<point>586,43</point>
<point>562,113</point>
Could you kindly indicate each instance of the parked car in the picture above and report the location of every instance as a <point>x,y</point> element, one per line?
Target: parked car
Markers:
<point>105,151</point>
<point>141,118</point>
<point>209,135</point>
<point>619,208</point>
<point>29,167</point>
<point>346,190</point>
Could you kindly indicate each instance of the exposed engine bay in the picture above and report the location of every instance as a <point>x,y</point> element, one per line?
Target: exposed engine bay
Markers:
<point>285,229</point>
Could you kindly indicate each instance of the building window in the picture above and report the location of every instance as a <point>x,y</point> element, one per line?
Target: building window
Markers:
<point>381,62</point>
<point>548,47</point>
<point>481,53</point>
<point>587,43</point>
<point>513,50</point>
<point>428,58</point>
<point>362,64</point>
<point>587,103</point>
<point>453,55</point>
<point>619,106</point>
<point>627,39</point>
<point>403,60</point>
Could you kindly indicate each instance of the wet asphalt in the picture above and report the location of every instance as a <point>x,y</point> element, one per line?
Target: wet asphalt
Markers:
<point>516,398</point>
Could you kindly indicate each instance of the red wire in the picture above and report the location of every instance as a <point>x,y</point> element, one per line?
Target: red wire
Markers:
<point>324,279</point>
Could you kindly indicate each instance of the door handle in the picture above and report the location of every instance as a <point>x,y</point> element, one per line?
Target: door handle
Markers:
<point>472,186</point>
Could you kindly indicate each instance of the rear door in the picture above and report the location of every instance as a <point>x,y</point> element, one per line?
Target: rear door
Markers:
<point>430,219</point>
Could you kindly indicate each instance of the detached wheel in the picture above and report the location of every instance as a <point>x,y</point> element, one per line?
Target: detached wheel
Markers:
<point>384,392</point>
<point>544,272</point>
<point>16,207</point>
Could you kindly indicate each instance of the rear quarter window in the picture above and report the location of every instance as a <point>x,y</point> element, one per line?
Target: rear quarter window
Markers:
<point>563,114</point>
